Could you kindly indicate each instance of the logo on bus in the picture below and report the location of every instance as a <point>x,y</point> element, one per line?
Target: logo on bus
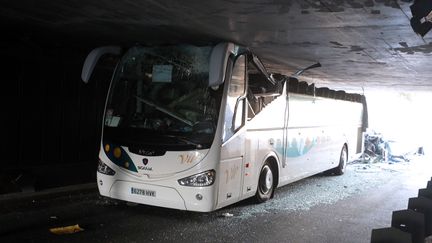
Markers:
<point>140,167</point>
<point>187,158</point>
<point>146,152</point>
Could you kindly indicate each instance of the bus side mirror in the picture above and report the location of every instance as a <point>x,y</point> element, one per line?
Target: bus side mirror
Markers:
<point>218,62</point>
<point>93,58</point>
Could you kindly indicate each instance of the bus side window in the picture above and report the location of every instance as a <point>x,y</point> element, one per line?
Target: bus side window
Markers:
<point>256,87</point>
<point>236,90</point>
<point>261,91</point>
<point>238,119</point>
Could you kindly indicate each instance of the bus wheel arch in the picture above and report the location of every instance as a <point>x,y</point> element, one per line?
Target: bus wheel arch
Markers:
<point>267,180</point>
<point>343,161</point>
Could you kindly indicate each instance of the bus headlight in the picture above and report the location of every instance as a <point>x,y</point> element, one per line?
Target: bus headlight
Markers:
<point>104,168</point>
<point>206,178</point>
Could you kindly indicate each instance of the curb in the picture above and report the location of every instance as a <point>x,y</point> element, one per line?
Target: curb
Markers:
<point>49,193</point>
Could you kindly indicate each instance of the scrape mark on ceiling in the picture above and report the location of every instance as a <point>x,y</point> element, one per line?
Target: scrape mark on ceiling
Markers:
<point>362,62</point>
<point>369,3</point>
<point>426,49</point>
<point>284,6</point>
<point>356,48</point>
<point>403,44</point>
<point>389,3</point>
<point>337,45</point>
<point>341,5</point>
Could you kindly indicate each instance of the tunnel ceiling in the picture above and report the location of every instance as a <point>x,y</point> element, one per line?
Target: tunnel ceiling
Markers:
<point>361,44</point>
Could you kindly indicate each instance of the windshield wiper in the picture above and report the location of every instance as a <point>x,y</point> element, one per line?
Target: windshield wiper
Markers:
<point>185,140</point>
<point>164,110</point>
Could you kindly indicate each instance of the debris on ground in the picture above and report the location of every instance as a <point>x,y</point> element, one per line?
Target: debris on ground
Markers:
<point>227,215</point>
<point>106,201</point>
<point>66,230</point>
<point>377,149</point>
<point>131,204</point>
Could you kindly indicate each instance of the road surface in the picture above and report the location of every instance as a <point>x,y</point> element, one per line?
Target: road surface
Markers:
<point>317,209</point>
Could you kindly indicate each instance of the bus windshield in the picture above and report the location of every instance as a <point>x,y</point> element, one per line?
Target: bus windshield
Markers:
<point>160,98</point>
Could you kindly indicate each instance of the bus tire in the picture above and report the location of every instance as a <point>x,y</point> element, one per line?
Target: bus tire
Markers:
<point>265,183</point>
<point>343,160</point>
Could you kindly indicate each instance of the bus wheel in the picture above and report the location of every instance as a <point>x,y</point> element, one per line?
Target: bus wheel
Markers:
<point>265,183</point>
<point>343,160</point>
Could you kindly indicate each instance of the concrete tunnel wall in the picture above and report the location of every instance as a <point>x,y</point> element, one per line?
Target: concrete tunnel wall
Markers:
<point>51,119</point>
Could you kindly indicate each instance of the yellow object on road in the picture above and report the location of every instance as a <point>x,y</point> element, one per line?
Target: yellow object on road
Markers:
<point>66,230</point>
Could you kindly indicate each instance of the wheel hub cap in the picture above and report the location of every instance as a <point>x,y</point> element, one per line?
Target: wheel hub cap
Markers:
<point>268,180</point>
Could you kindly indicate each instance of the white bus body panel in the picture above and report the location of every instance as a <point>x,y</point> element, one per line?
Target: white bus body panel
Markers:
<point>311,142</point>
<point>303,134</point>
<point>163,191</point>
<point>317,130</point>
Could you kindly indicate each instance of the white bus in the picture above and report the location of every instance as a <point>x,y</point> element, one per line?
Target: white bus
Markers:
<point>201,127</point>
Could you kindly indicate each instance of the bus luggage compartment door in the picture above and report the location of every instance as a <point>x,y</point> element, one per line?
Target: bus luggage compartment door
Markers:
<point>230,180</point>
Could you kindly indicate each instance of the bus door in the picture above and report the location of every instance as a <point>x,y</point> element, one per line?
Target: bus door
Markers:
<point>233,137</point>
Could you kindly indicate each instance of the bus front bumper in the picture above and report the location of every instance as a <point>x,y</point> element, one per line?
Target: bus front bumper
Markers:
<point>198,199</point>
<point>147,194</point>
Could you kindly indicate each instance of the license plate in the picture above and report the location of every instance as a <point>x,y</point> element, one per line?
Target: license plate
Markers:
<point>143,192</point>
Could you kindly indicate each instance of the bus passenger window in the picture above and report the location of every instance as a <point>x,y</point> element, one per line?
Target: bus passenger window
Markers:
<point>260,91</point>
<point>252,103</point>
<point>239,114</point>
<point>236,89</point>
